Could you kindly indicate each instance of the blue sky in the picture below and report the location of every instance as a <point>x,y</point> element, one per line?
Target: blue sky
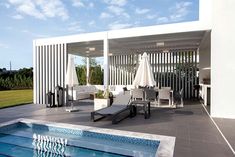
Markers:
<point>25,20</point>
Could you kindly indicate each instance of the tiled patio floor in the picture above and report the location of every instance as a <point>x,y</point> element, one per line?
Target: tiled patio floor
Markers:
<point>227,126</point>
<point>196,135</point>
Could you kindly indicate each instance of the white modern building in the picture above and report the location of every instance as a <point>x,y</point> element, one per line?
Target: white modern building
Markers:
<point>177,53</point>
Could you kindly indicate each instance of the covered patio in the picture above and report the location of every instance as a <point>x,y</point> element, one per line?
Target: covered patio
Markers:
<point>174,55</point>
<point>174,58</point>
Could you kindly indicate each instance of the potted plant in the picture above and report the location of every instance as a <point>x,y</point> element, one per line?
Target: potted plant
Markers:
<point>102,99</point>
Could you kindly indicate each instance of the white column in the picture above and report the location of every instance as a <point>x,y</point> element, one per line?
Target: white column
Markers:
<point>56,83</point>
<point>37,69</point>
<point>34,72</point>
<point>65,68</point>
<point>41,74</point>
<point>106,61</point>
<point>62,65</point>
<point>87,70</point>
<point>49,67</point>
<point>65,61</point>
<point>53,68</point>
<point>43,52</point>
<point>59,65</point>
<point>46,71</point>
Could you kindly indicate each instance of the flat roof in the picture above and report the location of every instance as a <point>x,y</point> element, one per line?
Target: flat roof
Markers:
<point>133,40</point>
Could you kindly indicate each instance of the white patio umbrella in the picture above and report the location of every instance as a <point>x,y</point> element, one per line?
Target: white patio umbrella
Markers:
<point>144,75</point>
<point>71,79</point>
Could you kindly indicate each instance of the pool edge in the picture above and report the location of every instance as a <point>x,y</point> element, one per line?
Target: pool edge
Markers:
<point>165,149</point>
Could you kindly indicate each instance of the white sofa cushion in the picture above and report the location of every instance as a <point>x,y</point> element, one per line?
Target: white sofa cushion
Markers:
<point>82,92</point>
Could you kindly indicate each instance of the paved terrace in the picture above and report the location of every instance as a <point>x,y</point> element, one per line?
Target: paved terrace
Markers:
<point>196,135</point>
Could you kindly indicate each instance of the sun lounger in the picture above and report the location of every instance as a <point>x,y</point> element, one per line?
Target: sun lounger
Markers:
<point>120,104</point>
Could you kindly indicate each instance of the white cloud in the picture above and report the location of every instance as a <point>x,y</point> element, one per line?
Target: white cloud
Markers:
<point>2,45</point>
<point>162,20</point>
<point>91,23</point>
<point>180,10</point>
<point>91,5</point>
<point>118,25</point>
<point>126,15</point>
<point>33,34</point>
<point>5,5</point>
<point>151,16</point>
<point>75,27</point>
<point>40,9</point>
<point>53,8</point>
<point>177,13</point>
<point>9,28</point>
<point>115,8</point>
<point>118,11</point>
<point>27,7</point>
<point>17,17</point>
<point>105,15</point>
<point>136,24</point>
<point>78,3</point>
<point>116,2</point>
<point>141,11</point>
<point>82,4</point>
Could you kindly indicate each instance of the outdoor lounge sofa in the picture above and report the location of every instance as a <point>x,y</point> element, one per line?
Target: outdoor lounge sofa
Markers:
<point>84,91</point>
<point>121,103</point>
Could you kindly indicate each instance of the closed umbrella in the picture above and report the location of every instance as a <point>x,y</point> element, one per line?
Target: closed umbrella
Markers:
<point>144,75</point>
<point>71,79</point>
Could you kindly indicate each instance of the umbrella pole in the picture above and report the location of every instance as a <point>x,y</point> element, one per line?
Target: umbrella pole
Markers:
<point>72,108</point>
<point>72,97</point>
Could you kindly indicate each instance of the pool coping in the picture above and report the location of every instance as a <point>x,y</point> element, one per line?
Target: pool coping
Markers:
<point>165,149</point>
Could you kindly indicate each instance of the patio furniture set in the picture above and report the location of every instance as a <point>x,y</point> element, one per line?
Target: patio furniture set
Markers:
<point>130,102</point>
<point>124,101</point>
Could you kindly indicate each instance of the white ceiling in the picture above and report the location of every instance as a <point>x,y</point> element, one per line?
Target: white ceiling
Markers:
<point>185,40</point>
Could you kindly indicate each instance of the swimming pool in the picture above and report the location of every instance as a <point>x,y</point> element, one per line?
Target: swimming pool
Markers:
<point>26,137</point>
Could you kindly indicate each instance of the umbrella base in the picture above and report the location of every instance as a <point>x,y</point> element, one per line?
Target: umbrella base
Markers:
<point>72,109</point>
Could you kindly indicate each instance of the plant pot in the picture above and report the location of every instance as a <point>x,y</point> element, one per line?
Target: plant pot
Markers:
<point>101,103</point>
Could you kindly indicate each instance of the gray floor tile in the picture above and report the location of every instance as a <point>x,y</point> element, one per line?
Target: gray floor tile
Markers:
<point>195,133</point>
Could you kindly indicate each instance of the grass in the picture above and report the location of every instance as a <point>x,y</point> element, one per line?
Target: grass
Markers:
<point>15,97</point>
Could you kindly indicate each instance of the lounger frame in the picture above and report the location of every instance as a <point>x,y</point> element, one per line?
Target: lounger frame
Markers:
<point>114,116</point>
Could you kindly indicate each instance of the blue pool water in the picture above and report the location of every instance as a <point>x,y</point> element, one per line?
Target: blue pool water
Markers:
<point>27,139</point>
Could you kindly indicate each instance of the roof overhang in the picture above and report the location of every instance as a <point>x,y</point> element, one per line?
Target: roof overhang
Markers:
<point>187,35</point>
<point>140,44</point>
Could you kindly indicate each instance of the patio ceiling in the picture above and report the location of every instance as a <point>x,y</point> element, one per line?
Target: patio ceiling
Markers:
<point>185,40</point>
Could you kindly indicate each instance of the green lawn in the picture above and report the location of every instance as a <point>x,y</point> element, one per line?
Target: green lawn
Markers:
<point>15,97</point>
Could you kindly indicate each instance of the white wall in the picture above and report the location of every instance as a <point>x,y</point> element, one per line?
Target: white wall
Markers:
<point>205,12</point>
<point>50,62</point>
<point>205,58</point>
<point>223,59</point>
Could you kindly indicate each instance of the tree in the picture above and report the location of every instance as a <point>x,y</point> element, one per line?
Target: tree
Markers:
<point>81,73</point>
<point>92,61</point>
<point>20,79</point>
<point>95,72</point>
<point>96,75</point>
